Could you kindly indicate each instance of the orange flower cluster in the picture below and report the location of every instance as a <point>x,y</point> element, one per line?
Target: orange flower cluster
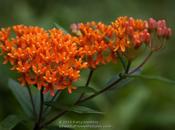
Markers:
<point>47,59</point>
<point>52,60</point>
<point>93,43</point>
<point>99,42</point>
<point>128,32</point>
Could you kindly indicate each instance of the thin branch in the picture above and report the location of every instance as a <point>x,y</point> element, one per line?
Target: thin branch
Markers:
<point>85,99</point>
<point>87,84</point>
<point>38,122</point>
<point>52,100</point>
<point>141,65</point>
<point>121,60</point>
<point>32,102</point>
<point>41,105</point>
<point>122,77</point>
<point>80,101</point>
<point>101,91</point>
<point>128,67</point>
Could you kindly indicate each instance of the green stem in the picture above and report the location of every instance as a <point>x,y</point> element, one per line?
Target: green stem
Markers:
<point>128,67</point>
<point>80,101</point>
<point>38,122</point>
<point>87,84</point>
<point>121,60</point>
<point>141,65</point>
<point>41,105</point>
<point>101,91</point>
<point>121,77</point>
<point>52,100</point>
<point>32,102</point>
<point>87,98</point>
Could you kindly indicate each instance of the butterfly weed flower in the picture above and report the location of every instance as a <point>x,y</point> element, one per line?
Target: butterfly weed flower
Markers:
<point>128,32</point>
<point>98,42</point>
<point>93,43</point>
<point>52,59</point>
<point>47,59</point>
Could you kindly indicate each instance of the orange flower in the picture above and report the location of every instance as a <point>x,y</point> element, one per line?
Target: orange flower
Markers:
<point>127,32</point>
<point>52,59</point>
<point>93,43</point>
<point>48,59</point>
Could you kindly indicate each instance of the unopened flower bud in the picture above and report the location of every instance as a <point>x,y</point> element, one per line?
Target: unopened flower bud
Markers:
<point>168,32</point>
<point>152,24</point>
<point>160,32</point>
<point>161,24</point>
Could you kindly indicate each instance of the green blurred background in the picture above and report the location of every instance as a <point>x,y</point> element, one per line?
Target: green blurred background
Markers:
<point>140,105</point>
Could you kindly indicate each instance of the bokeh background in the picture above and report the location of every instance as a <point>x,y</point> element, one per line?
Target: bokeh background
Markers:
<point>139,105</point>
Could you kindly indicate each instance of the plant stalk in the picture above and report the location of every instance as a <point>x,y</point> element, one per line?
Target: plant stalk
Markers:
<point>122,77</point>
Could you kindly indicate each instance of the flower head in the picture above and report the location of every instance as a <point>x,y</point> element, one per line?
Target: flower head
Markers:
<point>93,43</point>
<point>52,60</point>
<point>47,59</point>
<point>128,32</point>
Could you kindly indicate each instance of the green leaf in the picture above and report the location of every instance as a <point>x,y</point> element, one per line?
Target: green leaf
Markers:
<point>58,107</point>
<point>9,122</point>
<point>69,99</point>
<point>86,89</point>
<point>22,96</point>
<point>77,109</point>
<point>83,110</point>
<point>60,27</point>
<point>163,79</point>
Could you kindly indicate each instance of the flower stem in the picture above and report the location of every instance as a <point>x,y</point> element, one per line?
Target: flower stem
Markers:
<point>87,84</point>
<point>128,67</point>
<point>121,77</point>
<point>51,101</point>
<point>122,60</point>
<point>32,102</point>
<point>41,105</point>
<point>141,65</point>
<point>81,101</point>
<point>87,98</point>
<point>38,122</point>
<point>101,91</point>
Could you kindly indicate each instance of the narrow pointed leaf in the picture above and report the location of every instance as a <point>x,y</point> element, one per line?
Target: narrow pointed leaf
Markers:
<point>163,79</point>
<point>22,96</point>
<point>86,89</point>
<point>9,122</point>
<point>76,109</point>
<point>83,110</point>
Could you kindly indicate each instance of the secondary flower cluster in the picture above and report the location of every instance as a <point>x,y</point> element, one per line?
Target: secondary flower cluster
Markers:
<point>93,43</point>
<point>52,60</point>
<point>100,42</point>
